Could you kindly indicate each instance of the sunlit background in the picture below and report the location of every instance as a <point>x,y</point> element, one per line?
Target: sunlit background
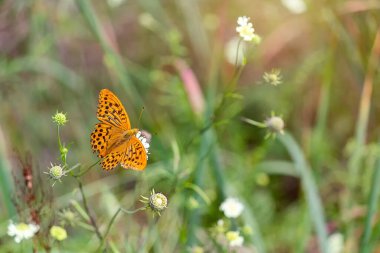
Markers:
<point>181,65</point>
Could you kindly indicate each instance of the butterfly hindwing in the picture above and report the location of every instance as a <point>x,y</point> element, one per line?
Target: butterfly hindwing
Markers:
<point>111,160</point>
<point>135,156</point>
<point>111,111</point>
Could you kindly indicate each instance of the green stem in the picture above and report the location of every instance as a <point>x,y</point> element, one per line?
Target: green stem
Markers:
<point>86,170</point>
<point>237,54</point>
<point>113,220</point>
<point>253,122</point>
<point>87,209</point>
<point>133,211</point>
<point>373,201</point>
<point>109,228</point>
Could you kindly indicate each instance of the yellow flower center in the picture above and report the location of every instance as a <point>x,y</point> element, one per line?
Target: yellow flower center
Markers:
<point>56,172</point>
<point>22,226</point>
<point>245,31</point>
<point>232,235</point>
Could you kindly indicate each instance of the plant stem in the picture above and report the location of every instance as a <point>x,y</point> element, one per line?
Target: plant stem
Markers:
<point>373,201</point>
<point>86,170</point>
<point>87,209</point>
<point>113,220</point>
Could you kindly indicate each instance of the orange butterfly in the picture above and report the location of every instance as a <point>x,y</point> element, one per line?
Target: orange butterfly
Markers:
<point>113,139</point>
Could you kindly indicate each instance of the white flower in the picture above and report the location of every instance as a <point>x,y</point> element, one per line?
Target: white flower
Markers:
<point>144,141</point>
<point>335,243</point>
<point>245,28</point>
<point>295,6</point>
<point>22,231</point>
<point>273,77</point>
<point>232,208</point>
<point>234,238</point>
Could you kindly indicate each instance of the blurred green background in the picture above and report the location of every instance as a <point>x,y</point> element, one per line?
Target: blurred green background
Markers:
<point>58,55</point>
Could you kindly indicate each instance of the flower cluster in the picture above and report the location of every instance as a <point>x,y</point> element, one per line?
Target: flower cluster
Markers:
<point>22,231</point>
<point>234,239</point>
<point>232,208</point>
<point>245,28</point>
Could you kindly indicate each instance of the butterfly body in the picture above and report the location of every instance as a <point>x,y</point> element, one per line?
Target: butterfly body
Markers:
<point>113,138</point>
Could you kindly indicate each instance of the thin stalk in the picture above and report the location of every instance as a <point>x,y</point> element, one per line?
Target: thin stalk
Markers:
<point>310,188</point>
<point>87,209</point>
<point>109,228</point>
<point>364,109</point>
<point>373,203</point>
<point>194,219</point>
<point>361,127</point>
<point>113,220</point>
<point>86,170</point>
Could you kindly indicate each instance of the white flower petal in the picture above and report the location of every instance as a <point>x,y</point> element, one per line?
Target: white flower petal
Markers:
<point>232,208</point>
<point>295,6</point>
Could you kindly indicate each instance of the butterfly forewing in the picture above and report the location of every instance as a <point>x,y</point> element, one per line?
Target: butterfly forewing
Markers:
<point>104,137</point>
<point>111,111</point>
<point>135,156</point>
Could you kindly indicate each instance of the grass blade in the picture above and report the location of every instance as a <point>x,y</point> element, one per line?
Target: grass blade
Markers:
<point>310,188</point>
<point>373,203</point>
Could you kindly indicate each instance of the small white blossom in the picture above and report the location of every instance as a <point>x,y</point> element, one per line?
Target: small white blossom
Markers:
<point>273,77</point>
<point>245,28</point>
<point>22,231</point>
<point>335,243</point>
<point>144,141</point>
<point>234,238</point>
<point>232,208</point>
<point>295,6</point>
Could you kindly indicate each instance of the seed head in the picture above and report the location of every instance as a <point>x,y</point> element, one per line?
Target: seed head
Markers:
<point>275,124</point>
<point>157,202</point>
<point>60,118</point>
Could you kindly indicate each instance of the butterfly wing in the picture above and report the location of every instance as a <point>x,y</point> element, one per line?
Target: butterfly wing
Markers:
<point>135,156</point>
<point>111,111</point>
<point>112,159</point>
<point>104,137</point>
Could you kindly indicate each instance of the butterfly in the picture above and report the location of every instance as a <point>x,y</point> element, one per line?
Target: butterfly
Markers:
<point>113,138</point>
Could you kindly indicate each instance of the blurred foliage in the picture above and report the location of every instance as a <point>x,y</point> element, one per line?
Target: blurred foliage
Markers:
<point>57,55</point>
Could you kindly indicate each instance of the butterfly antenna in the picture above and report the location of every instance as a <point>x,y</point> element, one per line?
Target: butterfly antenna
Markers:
<point>138,123</point>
